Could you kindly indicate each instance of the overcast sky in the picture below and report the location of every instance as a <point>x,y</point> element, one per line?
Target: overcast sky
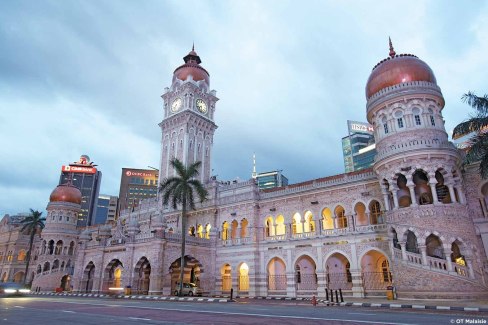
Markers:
<point>85,77</point>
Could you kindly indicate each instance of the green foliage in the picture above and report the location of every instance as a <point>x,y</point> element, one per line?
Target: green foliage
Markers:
<point>478,145</point>
<point>32,223</point>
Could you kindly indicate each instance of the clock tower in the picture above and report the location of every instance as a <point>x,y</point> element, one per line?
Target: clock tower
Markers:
<point>188,123</point>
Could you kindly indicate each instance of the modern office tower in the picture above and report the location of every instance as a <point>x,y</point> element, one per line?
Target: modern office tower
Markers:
<point>136,185</point>
<point>358,147</point>
<point>106,209</point>
<point>86,178</point>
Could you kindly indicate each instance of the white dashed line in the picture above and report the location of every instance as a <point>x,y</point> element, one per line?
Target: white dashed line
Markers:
<point>68,311</point>
<point>138,318</point>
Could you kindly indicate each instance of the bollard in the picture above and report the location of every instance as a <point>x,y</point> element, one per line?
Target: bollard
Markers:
<point>337,297</point>
<point>314,301</point>
<point>326,294</point>
<point>231,293</point>
<point>340,293</point>
<point>331,295</point>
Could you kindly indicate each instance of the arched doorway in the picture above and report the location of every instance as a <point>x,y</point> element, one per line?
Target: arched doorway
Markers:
<point>305,275</point>
<point>276,276</point>
<point>338,272</point>
<point>142,273</point>
<point>87,280</point>
<point>226,274</point>
<point>376,274</point>
<point>192,273</point>
<point>243,283</point>
<point>65,283</point>
<point>112,277</point>
<point>19,277</point>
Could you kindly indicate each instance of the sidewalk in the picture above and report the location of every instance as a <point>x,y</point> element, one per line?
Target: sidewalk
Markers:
<point>433,304</point>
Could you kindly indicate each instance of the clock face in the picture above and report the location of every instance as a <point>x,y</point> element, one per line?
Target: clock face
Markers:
<point>201,105</point>
<point>175,106</point>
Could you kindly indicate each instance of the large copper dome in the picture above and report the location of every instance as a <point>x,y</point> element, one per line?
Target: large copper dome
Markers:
<point>397,69</point>
<point>66,193</point>
<point>192,67</point>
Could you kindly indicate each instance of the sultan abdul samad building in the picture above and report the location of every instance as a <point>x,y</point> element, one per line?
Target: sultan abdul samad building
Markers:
<point>415,220</point>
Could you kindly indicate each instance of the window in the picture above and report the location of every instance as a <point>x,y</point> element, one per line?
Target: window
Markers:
<point>385,126</point>
<point>400,122</point>
<point>417,120</point>
<point>432,120</point>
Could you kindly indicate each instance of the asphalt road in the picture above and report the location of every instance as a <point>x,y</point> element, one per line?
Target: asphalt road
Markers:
<point>73,310</point>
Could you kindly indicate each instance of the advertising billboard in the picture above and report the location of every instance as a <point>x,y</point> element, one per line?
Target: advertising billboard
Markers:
<point>359,127</point>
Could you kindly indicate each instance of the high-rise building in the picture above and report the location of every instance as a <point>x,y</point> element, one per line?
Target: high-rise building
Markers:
<point>106,209</point>
<point>358,147</point>
<point>136,185</point>
<point>86,178</point>
<point>271,179</point>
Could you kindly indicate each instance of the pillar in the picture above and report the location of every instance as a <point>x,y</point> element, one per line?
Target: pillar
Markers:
<point>321,283</point>
<point>432,182</point>
<point>411,188</point>
<point>447,254</point>
<point>403,246</point>
<point>385,198</point>
<point>451,193</point>
<point>423,251</point>
<point>357,283</point>
<point>395,198</point>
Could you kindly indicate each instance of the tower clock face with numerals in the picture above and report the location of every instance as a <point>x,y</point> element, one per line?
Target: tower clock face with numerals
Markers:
<point>201,105</point>
<point>175,106</point>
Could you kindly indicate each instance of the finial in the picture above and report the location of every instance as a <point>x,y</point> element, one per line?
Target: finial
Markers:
<point>193,46</point>
<point>392,51</point>
<point>254,173</point>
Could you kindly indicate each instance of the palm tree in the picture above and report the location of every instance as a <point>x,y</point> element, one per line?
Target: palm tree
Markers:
<point>32,223</point>
<point>181,190</point>
<point>478,144</point>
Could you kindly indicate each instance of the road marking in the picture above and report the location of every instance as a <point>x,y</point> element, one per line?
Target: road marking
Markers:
<point>68,311</point>
<point>361,314</point>
<point>248,314</point>
<point>138,318</point>
<point>19,307</point>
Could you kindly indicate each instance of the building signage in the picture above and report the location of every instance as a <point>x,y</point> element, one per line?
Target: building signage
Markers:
<point>79,169</point>
<point>355,127</point>
<point>130,173</point>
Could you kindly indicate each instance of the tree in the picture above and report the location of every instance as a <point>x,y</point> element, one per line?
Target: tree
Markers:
<point>181,190</point>
<point>32,223</point>
<point>478,145</point>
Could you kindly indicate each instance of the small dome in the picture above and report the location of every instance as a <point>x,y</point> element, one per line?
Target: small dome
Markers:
<point>66,193</point>
<point>397,69</point>
<point>191,67</point>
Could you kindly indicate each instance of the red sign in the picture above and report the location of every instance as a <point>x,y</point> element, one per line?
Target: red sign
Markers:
<point>78,169</point>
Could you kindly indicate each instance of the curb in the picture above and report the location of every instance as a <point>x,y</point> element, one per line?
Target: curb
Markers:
<point>133,297</point>
<point>407,306</point>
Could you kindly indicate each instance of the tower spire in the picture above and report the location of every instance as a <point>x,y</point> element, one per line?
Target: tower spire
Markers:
<point>392,51</point>
<point>193,46</point>
<point>254,173</point>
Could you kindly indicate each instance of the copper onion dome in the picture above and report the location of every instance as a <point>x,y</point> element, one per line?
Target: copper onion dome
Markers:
<point>66,193</point>
<point>191,67</point>
<point>397,69</point>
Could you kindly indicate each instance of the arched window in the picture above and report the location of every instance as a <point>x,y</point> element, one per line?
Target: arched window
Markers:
<point>340,214</point>
<point>71,248</point>
<point>234,226</point>
<point>21,255</point>
<point>348,272</point>
<point>207,231</point>
<point>422,188</point>
<point>411,245</point>
<point>225,231</point>
<point>200,231</point>
<point>375,213</point>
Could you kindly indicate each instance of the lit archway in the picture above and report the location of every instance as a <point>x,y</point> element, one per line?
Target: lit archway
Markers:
<point>305,274</point>
<point>280,225</point>
<point>226,274</point>
<point>338,273</point>
<point>276,275</point>
<point>142,273</point>
<point>243,283</point>
<point>375,270</point>
<point>327,221</point>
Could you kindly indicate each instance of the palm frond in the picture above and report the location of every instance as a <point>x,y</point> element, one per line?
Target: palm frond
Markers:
<point>478,148</point>
<point>475,124</point>
<point>478,103</point>
<point>201,191</point>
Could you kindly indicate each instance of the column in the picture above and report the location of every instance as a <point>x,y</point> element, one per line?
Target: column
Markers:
<point>469,264</point>
<point>321,285</point>
<point>411,188</point>
<point>462,197</point>
<point>451,193</point>
<point>423,251</point>
<point>384,191</point>
<point>395,198</point>
<point>403,246</point>
<point>447,254</point>
<point>432,182</point>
